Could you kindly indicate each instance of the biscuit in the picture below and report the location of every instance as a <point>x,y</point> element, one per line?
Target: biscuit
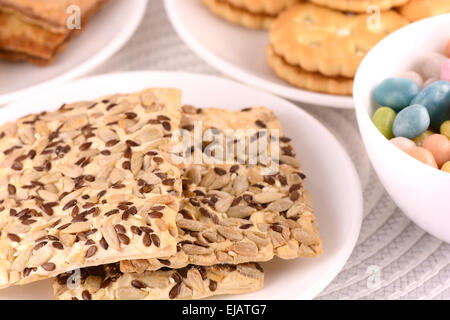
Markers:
<point>359,5</point>
<point>235,213</point>
<point>252,14</point>
<point>88,184</point>
<point>326,41</point>
<point>238,16</point>
<point>421,9</point>
<point>19,57</point>
<point>51,14</point>
<point>192,282</point>
<point>313,81</point>
<point>27,41</point>
<point>25,35</point>
<point>273,7</point>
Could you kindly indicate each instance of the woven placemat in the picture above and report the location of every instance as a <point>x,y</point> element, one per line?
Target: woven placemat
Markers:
<point>394,258</point>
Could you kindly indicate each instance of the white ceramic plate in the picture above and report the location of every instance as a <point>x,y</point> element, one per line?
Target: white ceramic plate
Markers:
<point>238,52</point>
<point>332,178</point>
<point>105,34</point>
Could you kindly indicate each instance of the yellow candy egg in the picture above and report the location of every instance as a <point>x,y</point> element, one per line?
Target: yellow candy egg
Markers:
<point>439,146</point>
<point>422,137</point>
<point>446,167</point>
<point>445,128</point>
<point>423,155</point>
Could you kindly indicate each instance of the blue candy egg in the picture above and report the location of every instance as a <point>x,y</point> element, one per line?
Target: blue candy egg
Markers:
<point>436,98</point>
<point>396,93</point>
<point>411,122</point>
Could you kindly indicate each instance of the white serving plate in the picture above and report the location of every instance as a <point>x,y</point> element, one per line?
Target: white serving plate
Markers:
<point>238,52</point>
<point>332,178</point>
<point>104,35</point>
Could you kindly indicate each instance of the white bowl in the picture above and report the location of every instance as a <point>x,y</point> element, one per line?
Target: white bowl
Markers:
<point>422,192</point>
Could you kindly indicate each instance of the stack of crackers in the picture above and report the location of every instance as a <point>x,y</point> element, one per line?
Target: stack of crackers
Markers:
<point>37,30</point>
<point>100,196</point>
<point>318,44</point>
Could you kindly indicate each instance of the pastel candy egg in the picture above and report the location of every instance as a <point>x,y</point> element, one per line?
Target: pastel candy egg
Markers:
<point>436,98</point>
<point>447,49</point>
<point>411,122</point>
<point>396,93</point>
<point>446,167</point>
<point>412,75</point>
<point>445,128</point>
<point>383,119</point>
<point>445,70</point>
<point>430,65</point>
<point>423,155</point>
<point>439,146</point>
<point>429,81</point>
<point>419,140</point>
<point>403,144</point>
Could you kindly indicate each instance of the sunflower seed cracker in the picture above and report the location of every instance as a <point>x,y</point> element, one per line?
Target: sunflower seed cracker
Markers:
<point>252,217</point>
<point>191,282</point>
<point>84,185</point>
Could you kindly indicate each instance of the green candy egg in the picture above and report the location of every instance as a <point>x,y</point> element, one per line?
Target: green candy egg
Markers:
<point>383,119</point>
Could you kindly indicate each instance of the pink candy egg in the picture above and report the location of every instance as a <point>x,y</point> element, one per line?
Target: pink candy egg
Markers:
<point>445,71</point>
<point>423,155</point>
<point>403,144</point>
<point>439,146</point>
<point>430,65</point>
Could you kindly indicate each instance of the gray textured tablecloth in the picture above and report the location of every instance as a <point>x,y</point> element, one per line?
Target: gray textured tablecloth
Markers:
<point>394,258</point>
